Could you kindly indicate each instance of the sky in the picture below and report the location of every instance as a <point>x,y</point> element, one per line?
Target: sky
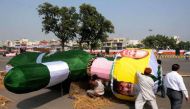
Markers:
<point>132,19</point>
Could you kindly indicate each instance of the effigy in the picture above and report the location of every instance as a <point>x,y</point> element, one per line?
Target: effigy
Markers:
<point>29,72</point>
<point>126,64</point>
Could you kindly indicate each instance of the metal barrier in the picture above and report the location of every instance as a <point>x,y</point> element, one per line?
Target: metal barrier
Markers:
<point>172,56</point>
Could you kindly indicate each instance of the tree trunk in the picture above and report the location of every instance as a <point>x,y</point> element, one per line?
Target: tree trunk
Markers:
<point>80,45</point>
<point>89,46</point>
<point>63,44</point>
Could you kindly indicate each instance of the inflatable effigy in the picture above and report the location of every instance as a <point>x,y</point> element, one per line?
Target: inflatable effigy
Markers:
<point>29,72</point>
<point>125,66</point>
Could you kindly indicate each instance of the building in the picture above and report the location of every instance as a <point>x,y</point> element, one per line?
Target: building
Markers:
<point>8,43</point>
<point>133,42</point>
<point>115,43</point>
<point>21,43</point>
<point>1,44</point>
<point>177,39</point>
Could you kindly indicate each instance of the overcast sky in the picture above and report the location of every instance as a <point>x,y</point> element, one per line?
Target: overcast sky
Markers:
<point>131,18</point>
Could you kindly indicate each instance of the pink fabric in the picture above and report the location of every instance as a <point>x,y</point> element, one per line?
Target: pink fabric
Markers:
<point>101,67</point>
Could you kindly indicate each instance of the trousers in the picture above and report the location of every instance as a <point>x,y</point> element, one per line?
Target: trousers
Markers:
<point>175,97</point>
<point>140,101</point>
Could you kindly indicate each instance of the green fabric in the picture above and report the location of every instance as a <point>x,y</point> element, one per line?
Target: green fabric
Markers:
<point>77,61</point>
<point>24,58</point>
<point>159,76</point>
<point>110,58</point>
<point>27,78</point>
<point>153,77</point>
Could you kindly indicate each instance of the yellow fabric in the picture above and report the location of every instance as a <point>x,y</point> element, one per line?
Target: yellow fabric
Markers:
<point>125,70</point>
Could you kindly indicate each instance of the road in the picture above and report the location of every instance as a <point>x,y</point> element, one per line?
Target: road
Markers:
<point>48,99</point>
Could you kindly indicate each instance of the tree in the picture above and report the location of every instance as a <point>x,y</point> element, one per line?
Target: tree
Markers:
<point>63,22</point>
<point>184,45</point>
<point>159,42</point>
<point>93,27</point>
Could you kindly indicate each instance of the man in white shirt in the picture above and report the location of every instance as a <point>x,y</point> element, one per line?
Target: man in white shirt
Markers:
<point>175,87</point>
<point>98,87</point>
<point>146,93</point>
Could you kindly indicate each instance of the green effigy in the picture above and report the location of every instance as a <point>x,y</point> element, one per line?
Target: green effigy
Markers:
<point>24,58</point>
<point>33,71</point>
<point>27,78</point>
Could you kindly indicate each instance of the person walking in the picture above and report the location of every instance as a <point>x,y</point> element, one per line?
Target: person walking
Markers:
<point>175,87</point>
<point>160,79</point>
<point>146,93</point>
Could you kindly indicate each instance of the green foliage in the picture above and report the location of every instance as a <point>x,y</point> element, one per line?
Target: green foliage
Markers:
<point>159,42</point>
<point>93,26</point>
<point>89,26</point>
<point>63,22</point>
<point>135,46</point>
<point>184,45</point>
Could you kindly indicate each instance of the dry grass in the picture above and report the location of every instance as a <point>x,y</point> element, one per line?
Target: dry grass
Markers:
<point>85,102</point>
<point>82,101</point>
<point>4,102</point>
<point>2,75</point>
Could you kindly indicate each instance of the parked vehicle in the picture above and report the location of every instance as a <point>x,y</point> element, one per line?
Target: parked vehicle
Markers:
<point>9,54</point>
<point>187,53</point>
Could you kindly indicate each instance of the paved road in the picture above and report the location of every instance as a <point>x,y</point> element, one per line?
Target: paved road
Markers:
<point>48,99</point>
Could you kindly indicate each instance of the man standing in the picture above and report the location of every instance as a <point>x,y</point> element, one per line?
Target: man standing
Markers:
<point>160,79</point>
<point>146,93</point>
<point>175,87</point>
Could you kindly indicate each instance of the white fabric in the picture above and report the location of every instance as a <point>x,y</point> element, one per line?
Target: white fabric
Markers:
<point>100,88</point>
<point>185,92</point>
<point>140,101</point>
<point>91,92</point>
<point>39,58</point>
<point>146,85</point>
<point>175,81</point>
<point>59,71</point>
<point>153,64</point>
<point>155,88</point>
<point>8,68</point>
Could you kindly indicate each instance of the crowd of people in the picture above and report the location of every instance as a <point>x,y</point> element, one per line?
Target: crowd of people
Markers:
<point>171,85</point>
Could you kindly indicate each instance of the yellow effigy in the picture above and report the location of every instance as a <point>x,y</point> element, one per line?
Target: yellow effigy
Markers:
<point>126,64</point>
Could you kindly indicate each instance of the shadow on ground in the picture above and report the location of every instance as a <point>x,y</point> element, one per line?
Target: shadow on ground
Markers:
<point>129,104</point>
<point>38,100</point>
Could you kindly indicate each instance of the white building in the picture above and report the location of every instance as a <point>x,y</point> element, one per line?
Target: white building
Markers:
<point>177,39</point>
<point>115,43</point>
<point>21,43</point>
<point>9,43</point>
<point>133,42</point>
<point>1,43</point>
